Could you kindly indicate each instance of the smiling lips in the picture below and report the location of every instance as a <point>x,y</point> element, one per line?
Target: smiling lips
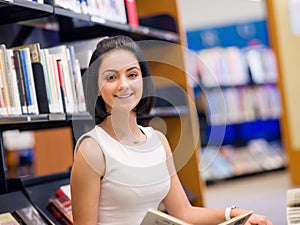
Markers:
<point>124,96</point>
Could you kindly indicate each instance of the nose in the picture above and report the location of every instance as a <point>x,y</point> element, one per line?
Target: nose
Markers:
<point>124,82</point>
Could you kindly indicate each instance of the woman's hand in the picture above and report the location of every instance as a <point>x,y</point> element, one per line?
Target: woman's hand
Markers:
<point>257,219</point>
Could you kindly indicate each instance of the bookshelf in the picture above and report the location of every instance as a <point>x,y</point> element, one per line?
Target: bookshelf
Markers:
<point>182,129</point>
<point>242,112</point>
<point>286,45</point>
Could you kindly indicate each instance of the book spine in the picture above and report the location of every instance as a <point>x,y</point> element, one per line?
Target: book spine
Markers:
<point>32,89</point>
<point>132,14</point>
<point>64,191</point>
<point>13,84</point>
<point>46,78</point>
<point>4,74</point>
<point>26,81</point>
<point>71,75</point>
<point>40,87</point>
<point>20,81</point>
<point>79,88</point>
<point>62,84</point>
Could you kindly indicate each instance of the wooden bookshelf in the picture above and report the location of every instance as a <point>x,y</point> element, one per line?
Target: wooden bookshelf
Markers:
<point>287,48</point>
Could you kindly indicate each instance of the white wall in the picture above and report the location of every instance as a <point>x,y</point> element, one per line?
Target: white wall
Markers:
<point>197,14</point>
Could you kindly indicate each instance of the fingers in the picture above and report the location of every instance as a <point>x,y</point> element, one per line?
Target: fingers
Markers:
<point>257,219</point>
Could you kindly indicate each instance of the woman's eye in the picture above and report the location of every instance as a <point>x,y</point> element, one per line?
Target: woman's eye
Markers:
<point>111,77</point>
<point>133,75</point>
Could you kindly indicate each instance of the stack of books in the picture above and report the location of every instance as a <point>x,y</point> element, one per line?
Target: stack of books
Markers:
<point>293,206</point>
<point>60,205</point>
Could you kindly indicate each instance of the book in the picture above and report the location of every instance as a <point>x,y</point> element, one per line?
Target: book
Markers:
<point>61,209</point>
<point>8,219</point>
<point>154,216</point>
<point>64,190</point>
<point>28,216</point>
<point>132,14</point>
<point>4,77</point>
<point>12,83</point>
<point>293,206</point>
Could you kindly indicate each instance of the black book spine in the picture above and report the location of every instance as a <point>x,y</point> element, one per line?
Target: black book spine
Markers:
<point>40,87</point>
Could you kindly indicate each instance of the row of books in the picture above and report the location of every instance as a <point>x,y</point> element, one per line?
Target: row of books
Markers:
<point>219,163</point>
<point>120,11</point>
<point>24,216</point>
<point>40,81</point>
<point>235,66</point>
<point>243,103</point>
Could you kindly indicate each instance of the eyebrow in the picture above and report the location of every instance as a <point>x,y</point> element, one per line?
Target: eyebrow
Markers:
<point>115,71</point>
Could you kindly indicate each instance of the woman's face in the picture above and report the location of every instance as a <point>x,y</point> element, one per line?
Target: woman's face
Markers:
<point>120,81</point>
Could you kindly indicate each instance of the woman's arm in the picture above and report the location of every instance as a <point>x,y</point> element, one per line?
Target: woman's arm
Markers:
<point>85,185</point>
<point>178,205</point>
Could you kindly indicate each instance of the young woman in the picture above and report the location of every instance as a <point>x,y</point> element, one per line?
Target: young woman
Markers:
<point>121,168</point>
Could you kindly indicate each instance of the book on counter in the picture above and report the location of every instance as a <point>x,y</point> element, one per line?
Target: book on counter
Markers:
<point>61,209</point>
<point>293,206</point>
<point>28,216</point>
<point>154,217</point>
<point>64,190</point>
<point>8,219</point>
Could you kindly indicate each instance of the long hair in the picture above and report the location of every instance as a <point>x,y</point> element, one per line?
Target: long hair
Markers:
<point>95,104</point>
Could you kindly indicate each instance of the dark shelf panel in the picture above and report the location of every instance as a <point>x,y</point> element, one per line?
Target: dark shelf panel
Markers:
<point>10,202</point>
<point>101,27</point>
<point>20,10</point>
<point>155,33</point>
<point>143,31</point>
<point>42,121</point>
<point>31,122</point>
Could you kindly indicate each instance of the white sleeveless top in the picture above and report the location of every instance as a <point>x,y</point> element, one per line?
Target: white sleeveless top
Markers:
<point>136,177</point>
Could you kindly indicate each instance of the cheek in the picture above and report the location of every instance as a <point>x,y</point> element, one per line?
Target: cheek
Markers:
<point>138,85</point>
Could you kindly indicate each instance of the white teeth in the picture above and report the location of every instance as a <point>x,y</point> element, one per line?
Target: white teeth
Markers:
<point>123,96</point>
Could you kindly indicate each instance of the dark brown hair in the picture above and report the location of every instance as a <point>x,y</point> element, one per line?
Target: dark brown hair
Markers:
<point>95,104</point>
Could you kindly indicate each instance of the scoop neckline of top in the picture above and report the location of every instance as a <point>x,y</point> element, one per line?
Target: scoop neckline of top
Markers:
<point>128,146</point>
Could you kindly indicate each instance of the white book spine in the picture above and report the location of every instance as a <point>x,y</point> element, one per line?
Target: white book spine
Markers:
<point>71,66</point>
<point>12,84</point>
<point>79,88</point>
<point>4,74</point>
<point>46,77</point>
